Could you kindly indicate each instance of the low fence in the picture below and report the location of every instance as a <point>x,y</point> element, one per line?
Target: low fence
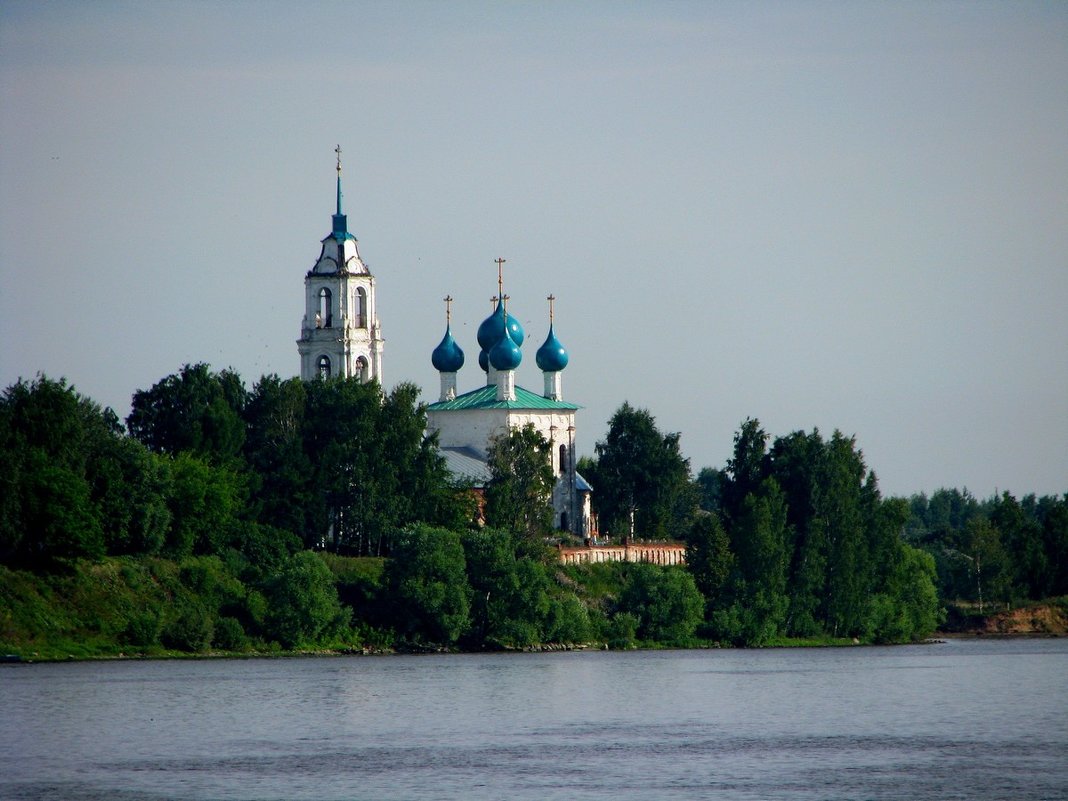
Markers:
<point>654,553</point>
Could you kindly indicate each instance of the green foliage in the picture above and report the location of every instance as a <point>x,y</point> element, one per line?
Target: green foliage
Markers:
<point>375,469</point>
<point>621,630</point>
<point>641,471</point>
<point>204,502</point>
<point>427,581</point>
<point>230,635</point>
<point>666,602</point>
<point>568,620</point>
<point>189,627</point>
<point>281,472</point>
<point>816,551</point>
<point>708,556</point>
<point>519,492</point>
<point>197,411</point>
<point>58,520</point>
<point>303,606</point>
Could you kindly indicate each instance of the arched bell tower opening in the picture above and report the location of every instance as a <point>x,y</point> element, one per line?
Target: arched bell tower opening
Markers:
<point>340,321</point>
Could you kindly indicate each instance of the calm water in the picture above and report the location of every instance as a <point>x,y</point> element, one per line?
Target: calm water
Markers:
<point>962,720</point>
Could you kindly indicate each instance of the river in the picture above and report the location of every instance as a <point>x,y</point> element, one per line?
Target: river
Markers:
<point>966,719</point>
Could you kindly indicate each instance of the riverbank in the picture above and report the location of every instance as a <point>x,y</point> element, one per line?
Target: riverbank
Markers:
<point>1048,618</point>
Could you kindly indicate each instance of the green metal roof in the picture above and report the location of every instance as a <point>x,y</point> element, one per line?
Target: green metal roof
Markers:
<point>486,398</point>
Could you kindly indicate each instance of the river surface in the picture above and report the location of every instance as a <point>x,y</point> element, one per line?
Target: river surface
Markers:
<point>967,719</point>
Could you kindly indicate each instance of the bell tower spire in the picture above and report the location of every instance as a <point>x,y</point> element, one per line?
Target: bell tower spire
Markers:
<point>340,334</point>
<point>341,226</point>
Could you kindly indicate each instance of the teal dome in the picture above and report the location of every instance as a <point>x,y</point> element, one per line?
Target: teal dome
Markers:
<point>506,354</point>
<point>447,356</point>
<point>551,356</point>
<point>483,361</point>
<point>492,329</point>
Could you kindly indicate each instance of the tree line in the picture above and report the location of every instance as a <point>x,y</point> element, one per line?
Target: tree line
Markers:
<point>237,514</point>
<point>792,539</point>
<point>993,553</point>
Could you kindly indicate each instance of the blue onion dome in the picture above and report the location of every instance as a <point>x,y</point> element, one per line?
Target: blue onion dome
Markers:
<point>492,328</point>
<point>483,361</point>
<point>551,356</point>
<point>506,354</point>
<point>447,356</point>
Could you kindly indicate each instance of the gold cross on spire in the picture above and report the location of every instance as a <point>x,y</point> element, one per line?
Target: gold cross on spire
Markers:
<point>338,151</point>
<point>448,309</point>
<point>500,276</point>
<point>551,298</point>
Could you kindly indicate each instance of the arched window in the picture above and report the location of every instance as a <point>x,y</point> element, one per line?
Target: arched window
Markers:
<point>563,458</point>
<point>324,366</point>
<point>563,522</point>
<point>361,307</point>
<point>326,308</point>
<point>360,372</point>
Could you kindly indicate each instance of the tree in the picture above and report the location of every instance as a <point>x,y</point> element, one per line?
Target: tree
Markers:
<point>1021,534</point>
<point>58,519</point>
<point>760,541</point>
<point>666,601</point>
<point>376,471</point>
<point>196,410</point>
<point>426,577</point>
<point>708,556</point>
<point>642,472</point>
<point>746,469</point>
<point>204,503</point>
<point>303,604</point>
<point>280,471</point>
<point>519,492</point>
<point>710,489</point>
<point>51,439</point>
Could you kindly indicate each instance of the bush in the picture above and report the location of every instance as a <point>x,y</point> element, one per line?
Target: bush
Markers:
<point>191,629</point>
<point>569,622</point>
<point>143,629</point>
<point>666,601</point>
<point>229,635</point>
<point>427,580</point>
<point>622,630</point>
<point>302,602</point>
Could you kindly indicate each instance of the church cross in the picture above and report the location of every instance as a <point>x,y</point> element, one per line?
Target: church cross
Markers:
<point>551,298</point>
<point>448,309</point>
<point>500,275</point>
<point>338,151</point>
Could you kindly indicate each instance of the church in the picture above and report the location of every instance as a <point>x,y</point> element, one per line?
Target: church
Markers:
<point>341,336</point>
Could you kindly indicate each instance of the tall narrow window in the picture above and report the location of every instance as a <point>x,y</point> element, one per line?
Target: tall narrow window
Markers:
<point>326,307</point>
<point>563,458</point>
<point>361,307</point>
<point>360,372</point>
<point>324,367</point>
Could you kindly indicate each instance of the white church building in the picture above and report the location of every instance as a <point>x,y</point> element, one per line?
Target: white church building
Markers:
<point>341,336</point>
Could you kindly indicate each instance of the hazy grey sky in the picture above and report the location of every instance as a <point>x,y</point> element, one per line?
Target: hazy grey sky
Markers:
<point>833,215</point>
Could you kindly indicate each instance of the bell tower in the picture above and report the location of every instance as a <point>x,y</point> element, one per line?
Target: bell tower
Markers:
<point>340,334</point>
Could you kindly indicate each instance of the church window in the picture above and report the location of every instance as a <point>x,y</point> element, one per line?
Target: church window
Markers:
<point>563,458</point>
<point>325,314</point>
<point>361,369</point>
<point>324,367</point>
<point>361,307</point>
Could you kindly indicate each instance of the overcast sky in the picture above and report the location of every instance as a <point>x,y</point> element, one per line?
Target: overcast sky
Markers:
<point>832,215</point>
